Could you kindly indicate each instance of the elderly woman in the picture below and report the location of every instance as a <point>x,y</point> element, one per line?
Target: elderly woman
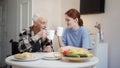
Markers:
<point>34,39</point>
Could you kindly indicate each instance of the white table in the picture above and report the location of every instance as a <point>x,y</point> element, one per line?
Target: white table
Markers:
<point>50,63</point>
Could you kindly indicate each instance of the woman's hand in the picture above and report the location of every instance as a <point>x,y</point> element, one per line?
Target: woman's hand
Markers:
<point>43,33</point>
<point>47,49</point>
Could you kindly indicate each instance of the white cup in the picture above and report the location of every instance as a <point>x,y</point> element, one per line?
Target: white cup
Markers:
<point>51,34</point>
<point>59,31</point>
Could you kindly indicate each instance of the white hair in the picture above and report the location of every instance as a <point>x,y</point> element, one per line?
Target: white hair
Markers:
<point>36,17</point>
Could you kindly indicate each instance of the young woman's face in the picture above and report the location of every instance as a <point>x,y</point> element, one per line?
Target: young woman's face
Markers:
<point>70,21</point>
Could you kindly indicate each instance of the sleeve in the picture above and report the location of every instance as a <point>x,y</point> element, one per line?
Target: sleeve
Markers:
<point>24,45</point>
<point>64,38</point>
<point>46,42</point>
<point>35,38</point>
<point>24,41</point>
<point>86,41</point>
<point>27,40</point>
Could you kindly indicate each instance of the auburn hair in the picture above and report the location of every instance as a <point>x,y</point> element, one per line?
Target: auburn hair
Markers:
<point>73,13</point>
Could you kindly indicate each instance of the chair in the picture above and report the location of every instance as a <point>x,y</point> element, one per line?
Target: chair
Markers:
<point>15,45</point>
<point>15,50</point>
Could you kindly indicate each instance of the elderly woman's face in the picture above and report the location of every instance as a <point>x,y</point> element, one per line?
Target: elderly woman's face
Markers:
<point>40,24</point>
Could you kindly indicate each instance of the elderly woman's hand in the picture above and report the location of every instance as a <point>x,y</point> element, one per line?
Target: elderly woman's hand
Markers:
<point>47,49</point>
<point>42,33</point>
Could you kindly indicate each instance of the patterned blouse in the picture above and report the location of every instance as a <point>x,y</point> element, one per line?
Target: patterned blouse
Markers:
<point>29,42</point>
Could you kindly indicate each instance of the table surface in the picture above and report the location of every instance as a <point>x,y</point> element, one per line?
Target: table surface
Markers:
<point>49,63</point>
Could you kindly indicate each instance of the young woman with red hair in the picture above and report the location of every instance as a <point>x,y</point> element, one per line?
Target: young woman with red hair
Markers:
<point>75,35</point>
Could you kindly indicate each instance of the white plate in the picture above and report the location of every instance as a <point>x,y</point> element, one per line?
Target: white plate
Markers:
<point>51,56</point>
<point>24,60</point>
<point>46,58</point>
<point>75,59</point>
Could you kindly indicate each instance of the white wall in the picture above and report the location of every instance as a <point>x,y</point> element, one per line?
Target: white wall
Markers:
<point>110,21</point>
<point>50,9</point>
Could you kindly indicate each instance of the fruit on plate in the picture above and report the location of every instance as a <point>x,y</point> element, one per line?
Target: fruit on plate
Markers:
<point>77,53</point>
<point>74,51</point>
<point>72,55</point>
<point>66,52</point>
<point>90,55</point>
<point>83,51</point>
<point>83,55</point>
